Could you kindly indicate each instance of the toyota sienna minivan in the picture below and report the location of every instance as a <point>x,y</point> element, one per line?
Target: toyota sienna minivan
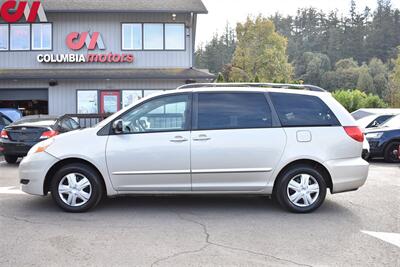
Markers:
<point>260,139</point>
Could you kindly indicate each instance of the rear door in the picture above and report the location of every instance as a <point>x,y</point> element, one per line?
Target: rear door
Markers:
<point>234,144</point>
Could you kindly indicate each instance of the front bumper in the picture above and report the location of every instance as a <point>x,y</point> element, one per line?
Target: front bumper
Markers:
<point>347,174</point>
<point>33,170</point>
<point>12,148</point>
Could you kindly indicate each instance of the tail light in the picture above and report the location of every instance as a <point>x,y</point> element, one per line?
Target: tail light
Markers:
<point>48,134</point>
<point>4,134</point>
<point>355,133</point>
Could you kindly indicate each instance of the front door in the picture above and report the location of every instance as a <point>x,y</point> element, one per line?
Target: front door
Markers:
<point>153,152</point>
<point>234,146</point>
<point>110,101</point>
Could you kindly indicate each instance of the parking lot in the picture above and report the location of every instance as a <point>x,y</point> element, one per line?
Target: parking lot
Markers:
<point>203,231</point>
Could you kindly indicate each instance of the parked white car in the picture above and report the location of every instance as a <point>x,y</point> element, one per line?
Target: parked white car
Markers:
<point>207,139</point>
<point>373,121</point>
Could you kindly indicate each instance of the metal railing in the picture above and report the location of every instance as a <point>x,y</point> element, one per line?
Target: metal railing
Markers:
<point>261,85</point>
<point>88,120</point>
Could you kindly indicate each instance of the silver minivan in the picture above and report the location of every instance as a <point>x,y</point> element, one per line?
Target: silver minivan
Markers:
<point>260,139</point>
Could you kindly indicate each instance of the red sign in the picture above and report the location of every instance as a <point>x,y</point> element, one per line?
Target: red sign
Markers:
<point>110,101</point>
<point>76,41</point>
<point>12,13</point>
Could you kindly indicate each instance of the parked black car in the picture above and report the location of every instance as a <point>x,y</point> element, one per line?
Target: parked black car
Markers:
<point>17,138</point>
<point>384,141</point>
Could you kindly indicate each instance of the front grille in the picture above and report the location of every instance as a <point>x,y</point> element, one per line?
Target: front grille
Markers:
<point>373,144</point>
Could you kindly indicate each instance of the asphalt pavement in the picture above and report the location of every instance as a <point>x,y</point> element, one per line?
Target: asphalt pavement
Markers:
<point>359,228</point>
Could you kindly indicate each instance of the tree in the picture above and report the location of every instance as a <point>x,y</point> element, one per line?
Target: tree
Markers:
<point>365,81</point>
<point>379,73</point>
<point>311,67</point>
<point>218,52</point>
<point>355,99</point>
<point>261,51</point>
<point>220,78</point>
<point>392,94</point>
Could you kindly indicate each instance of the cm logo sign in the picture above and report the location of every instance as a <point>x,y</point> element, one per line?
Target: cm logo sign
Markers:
<point>76,41</point>
<point>12,12</point>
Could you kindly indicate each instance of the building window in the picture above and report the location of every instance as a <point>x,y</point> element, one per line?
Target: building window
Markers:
<point>153,36</point>
<point>4,37</point>
<point>147,93</point>
<point>41,36</point>
<point>131,96</point>
<point>174,36</point>
<point>132,36</point>
<point>20,37</point>
<point>87,102</point>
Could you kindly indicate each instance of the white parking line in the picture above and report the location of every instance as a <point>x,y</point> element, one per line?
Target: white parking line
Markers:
<point>10,190</point>
<point>391,238</point>
<point>1,162</point>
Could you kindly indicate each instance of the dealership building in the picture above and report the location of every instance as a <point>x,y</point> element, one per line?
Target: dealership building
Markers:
<point>95,56</point>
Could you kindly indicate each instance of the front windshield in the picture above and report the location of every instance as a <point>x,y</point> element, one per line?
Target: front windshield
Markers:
<point>393,122</point>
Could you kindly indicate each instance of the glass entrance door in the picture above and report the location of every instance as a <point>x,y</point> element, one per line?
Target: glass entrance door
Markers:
<point>110,101</point>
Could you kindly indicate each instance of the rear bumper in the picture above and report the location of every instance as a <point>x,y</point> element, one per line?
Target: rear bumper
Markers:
<point>33,170</point>
<point>12,148</point>
<point>347,174</point>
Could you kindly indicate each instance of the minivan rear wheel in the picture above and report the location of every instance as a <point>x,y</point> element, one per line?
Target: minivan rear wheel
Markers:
<point>301,189</point>
<point>76,188</point>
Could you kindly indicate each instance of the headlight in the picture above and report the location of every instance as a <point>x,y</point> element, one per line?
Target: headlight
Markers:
<point>41,147</point>
<point>374,135</point>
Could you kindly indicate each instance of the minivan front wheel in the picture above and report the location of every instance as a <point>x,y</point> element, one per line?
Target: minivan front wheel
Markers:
<point>301,189</point>
<point>76,188</point>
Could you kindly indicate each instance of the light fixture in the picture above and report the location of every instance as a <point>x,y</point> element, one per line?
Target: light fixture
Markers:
<point>173,16</point>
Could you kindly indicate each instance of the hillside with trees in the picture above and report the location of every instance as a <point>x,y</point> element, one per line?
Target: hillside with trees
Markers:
<point>357,54</point>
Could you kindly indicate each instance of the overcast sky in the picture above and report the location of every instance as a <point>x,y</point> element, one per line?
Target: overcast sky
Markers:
<point>233,11</point>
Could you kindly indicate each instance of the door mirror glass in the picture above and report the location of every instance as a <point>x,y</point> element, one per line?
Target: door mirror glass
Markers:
<point>117,127</point>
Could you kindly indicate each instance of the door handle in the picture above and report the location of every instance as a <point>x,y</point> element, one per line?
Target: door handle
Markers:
<point>178,139</point>
<point>202,137</point>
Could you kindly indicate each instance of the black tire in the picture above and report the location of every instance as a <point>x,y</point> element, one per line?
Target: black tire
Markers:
<point>281,188</point>
<point>390,155</point>
<point>97,189</point>
<point>11,159</point>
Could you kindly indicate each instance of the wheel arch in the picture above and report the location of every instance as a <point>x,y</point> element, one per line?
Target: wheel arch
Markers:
<point>312,163</point>
<point>63,162</point>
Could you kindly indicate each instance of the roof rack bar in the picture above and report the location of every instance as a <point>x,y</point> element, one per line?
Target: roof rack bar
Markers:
<point>270,85</point>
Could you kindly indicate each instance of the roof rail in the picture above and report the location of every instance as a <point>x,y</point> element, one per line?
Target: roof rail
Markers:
<point>270,85</point>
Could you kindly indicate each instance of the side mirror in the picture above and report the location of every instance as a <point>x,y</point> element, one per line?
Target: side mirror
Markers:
<point>118,127</point>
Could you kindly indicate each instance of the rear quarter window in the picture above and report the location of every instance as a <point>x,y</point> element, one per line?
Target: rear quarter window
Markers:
<point>295,110</point>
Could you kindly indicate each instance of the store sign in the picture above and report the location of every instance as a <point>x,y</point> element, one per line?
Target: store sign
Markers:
<point>12,12</point>
<point>76,41</point>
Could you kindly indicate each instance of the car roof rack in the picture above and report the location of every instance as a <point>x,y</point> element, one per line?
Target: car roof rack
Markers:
<point>261,85</point>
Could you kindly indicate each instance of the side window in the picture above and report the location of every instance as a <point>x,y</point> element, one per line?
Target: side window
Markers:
<point>233,111</point>
<point>383,119</point>
<point>65,125</point>
<point>168,113</point>
<point>74,124</point>
<point>6,121</point>
<point>295,110</point>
